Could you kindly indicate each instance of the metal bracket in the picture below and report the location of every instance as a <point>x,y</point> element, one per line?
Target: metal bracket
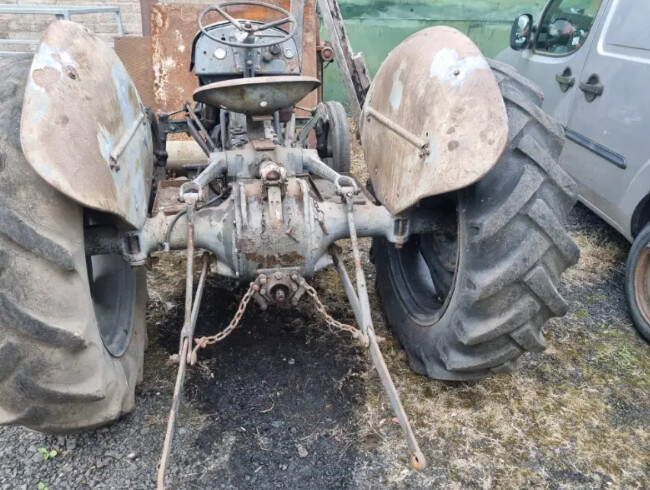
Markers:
<point>125,140</point>
<point>420,144</point>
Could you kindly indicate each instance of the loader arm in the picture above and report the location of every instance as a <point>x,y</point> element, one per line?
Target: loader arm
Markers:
<point>352,66</point>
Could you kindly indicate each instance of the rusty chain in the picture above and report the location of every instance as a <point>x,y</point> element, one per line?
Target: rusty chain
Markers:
<point>203,342</point>
<point>320,307</point>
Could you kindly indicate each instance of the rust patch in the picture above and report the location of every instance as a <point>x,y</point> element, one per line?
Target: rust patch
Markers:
<point>46,77</point>
<point>260,261</point>
<point>71,72</point>
<point>135,53</point>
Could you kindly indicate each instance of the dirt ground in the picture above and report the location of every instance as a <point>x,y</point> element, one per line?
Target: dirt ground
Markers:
<point>285,403</point>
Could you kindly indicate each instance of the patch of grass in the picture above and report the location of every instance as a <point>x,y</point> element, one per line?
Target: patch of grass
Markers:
<point>553,417</point>
<point>599,257</point>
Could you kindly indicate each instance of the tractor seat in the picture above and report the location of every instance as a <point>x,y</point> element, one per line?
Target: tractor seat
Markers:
<point>258,96</point>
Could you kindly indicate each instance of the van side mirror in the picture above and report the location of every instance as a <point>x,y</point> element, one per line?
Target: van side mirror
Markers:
<point>522,32</point>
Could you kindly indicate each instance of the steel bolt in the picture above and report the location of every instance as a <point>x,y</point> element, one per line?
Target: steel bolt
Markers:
<point>294,287</point>
<point>262,279</point>
<point>278,275</point>
<point>294,277</point>
<point>263,291</point>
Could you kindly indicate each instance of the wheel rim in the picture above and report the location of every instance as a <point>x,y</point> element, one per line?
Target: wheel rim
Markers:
<point>425,269</point>
<point>642,284</point>
<point>113,290</point>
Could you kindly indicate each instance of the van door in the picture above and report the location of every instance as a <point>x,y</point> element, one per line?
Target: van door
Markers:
<point>559,50</point>
<point>608,133</point>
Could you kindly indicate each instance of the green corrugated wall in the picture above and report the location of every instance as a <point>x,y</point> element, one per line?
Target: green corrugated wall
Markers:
<point>376,27</point>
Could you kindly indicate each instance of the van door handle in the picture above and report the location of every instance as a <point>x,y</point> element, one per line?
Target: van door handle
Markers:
<point>592,88</point>
<point>566,80</point>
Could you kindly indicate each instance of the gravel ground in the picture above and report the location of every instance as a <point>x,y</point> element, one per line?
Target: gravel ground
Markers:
<point>283,403</point>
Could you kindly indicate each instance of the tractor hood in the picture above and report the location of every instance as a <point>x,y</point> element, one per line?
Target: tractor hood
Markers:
<point>84,128</point>
<point>434,120</point>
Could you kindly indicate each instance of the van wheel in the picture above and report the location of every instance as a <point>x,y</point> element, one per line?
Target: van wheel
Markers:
<point>72,328</point>
<point>637,282</point>
<point>469,299</point>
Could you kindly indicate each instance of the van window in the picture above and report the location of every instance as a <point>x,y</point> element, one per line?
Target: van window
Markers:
<point>565,26</point>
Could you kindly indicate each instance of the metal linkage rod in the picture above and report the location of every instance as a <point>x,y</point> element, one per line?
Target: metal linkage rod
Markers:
<point>187,334</point>
<point>361,306</point>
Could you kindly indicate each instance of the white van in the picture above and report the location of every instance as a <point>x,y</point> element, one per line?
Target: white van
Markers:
<point>592,60</point>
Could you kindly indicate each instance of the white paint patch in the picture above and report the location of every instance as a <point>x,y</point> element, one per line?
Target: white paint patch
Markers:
<point>105,142</point>
<point>122,83</point>
<point>447,68</point>
<point>433,151</point>
<point>45,57</point>
<point>397,91</point>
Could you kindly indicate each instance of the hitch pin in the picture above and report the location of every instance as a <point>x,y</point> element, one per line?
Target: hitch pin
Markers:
<point>361,307</point>
<point>187,334</point>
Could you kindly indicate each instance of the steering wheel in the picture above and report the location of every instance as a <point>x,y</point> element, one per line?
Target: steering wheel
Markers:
<point>248,27</point>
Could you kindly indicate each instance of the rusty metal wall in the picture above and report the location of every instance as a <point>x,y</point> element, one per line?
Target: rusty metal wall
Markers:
<point>135,53</point>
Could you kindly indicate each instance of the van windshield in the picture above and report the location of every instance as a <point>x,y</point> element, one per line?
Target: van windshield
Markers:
<point>565,26</point>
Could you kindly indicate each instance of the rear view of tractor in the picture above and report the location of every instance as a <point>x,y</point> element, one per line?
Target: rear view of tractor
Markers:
<point>465,205</point>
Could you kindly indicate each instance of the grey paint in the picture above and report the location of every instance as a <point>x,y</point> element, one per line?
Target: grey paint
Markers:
<point>608,153</point>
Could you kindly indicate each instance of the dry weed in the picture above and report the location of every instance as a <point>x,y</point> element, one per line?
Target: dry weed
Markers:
<point>599,257</point>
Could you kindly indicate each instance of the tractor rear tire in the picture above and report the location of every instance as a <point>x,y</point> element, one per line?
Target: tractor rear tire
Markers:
<point>469,300</point>
<point>70,353</point>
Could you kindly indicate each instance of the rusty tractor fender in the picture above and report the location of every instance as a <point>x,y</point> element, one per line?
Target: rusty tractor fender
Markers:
<point>84,128</point>
<point>433,121</point>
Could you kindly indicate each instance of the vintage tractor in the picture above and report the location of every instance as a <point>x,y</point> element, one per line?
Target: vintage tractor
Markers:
<point>465,204</point>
